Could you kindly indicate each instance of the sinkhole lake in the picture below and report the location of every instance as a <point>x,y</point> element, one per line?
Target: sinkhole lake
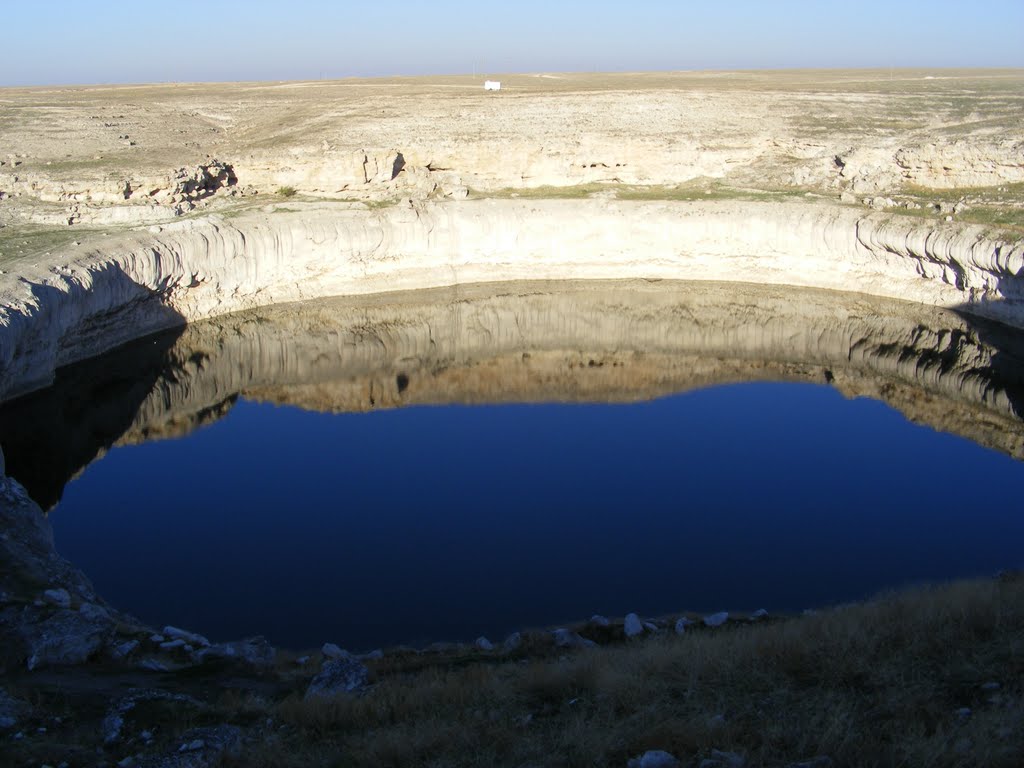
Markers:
<point>440,468</point>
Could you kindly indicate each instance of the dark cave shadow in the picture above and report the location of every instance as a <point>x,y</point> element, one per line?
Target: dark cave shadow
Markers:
<point>1006,370</point>
<point>49,435</point>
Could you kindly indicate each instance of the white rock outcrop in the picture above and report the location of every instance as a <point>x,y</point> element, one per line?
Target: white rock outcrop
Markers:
<point>124,286</point>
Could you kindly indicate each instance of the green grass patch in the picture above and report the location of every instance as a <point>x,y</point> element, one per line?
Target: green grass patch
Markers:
<point>19,241</point>
<point>689,192</point>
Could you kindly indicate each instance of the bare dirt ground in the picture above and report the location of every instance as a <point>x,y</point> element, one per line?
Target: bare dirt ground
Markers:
<point>901,139</point>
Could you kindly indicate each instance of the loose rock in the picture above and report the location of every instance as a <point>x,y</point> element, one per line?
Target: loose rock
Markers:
<point>64,638</point>
<point>716,619</point>
<point>253,651</point>
<point>484,644</point>
<point>58,597</point>
<point>632,625</point>
<point>337,677</point>
<point>565,638</point>
<point>189,637</point>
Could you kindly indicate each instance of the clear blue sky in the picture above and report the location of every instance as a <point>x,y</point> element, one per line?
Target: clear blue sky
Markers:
<point>99,41</point>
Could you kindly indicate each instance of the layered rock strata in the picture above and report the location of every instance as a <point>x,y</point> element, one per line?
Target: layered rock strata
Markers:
<point>66,308</point>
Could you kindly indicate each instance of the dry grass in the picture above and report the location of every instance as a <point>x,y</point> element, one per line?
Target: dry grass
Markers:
<point>867,685</point>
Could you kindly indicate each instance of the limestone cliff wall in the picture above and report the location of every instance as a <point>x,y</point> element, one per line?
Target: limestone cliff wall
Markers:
<point>120,287</point>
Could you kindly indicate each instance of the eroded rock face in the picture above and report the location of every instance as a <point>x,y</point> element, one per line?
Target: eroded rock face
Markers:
<point>50,615</point>
<point>138,283</point>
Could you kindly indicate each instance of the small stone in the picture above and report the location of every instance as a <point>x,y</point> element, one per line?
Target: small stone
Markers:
<point>650,626</point>
<point>654,758</point>
<point>332,651</point>
<point>157,638</point>
<point>993,686</point>
<point>128,762</point>
<point>302,661</point>
<point>599,621</point>
<point>192,746</point>
<point>171,645</point>
<point>963,713</point>
<point>513,641</point>
<point>152,665</point>
<point>716,619</point>
<point>58,597</point>
<point>759,614</point>
<point>146,735</point>
<point>483,644</point>
<point>681,625</point>
<point>375,655</point>
<point>632,625</point>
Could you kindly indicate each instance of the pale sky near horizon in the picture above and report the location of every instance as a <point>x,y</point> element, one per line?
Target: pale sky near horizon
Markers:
<point>50,42</point>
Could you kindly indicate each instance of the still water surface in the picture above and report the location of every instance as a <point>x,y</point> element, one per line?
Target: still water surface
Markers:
<point>428,523</point>
<point>440,465</point>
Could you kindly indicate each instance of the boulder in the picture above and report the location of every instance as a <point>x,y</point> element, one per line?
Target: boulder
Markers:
<point>565,638</point>
<point>633,626</point>
<point>337,677</point>
<point>484,644</point>
<point>681,625</point>
<point>63,638</point>
<point>599,621</point>
<point>512,642</point>
<point>716,619</point>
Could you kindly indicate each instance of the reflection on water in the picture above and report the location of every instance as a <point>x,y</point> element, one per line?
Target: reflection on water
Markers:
<point>382,525</point>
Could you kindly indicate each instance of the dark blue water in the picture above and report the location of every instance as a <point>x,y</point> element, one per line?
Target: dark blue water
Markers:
<point>443,523</point>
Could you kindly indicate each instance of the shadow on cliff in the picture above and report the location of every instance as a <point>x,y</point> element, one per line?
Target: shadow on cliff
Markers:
<point>49,435</point>
<point>1006,369</point>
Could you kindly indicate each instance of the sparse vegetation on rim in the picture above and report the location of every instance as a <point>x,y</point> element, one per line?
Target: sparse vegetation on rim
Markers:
<point>886,683</point>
